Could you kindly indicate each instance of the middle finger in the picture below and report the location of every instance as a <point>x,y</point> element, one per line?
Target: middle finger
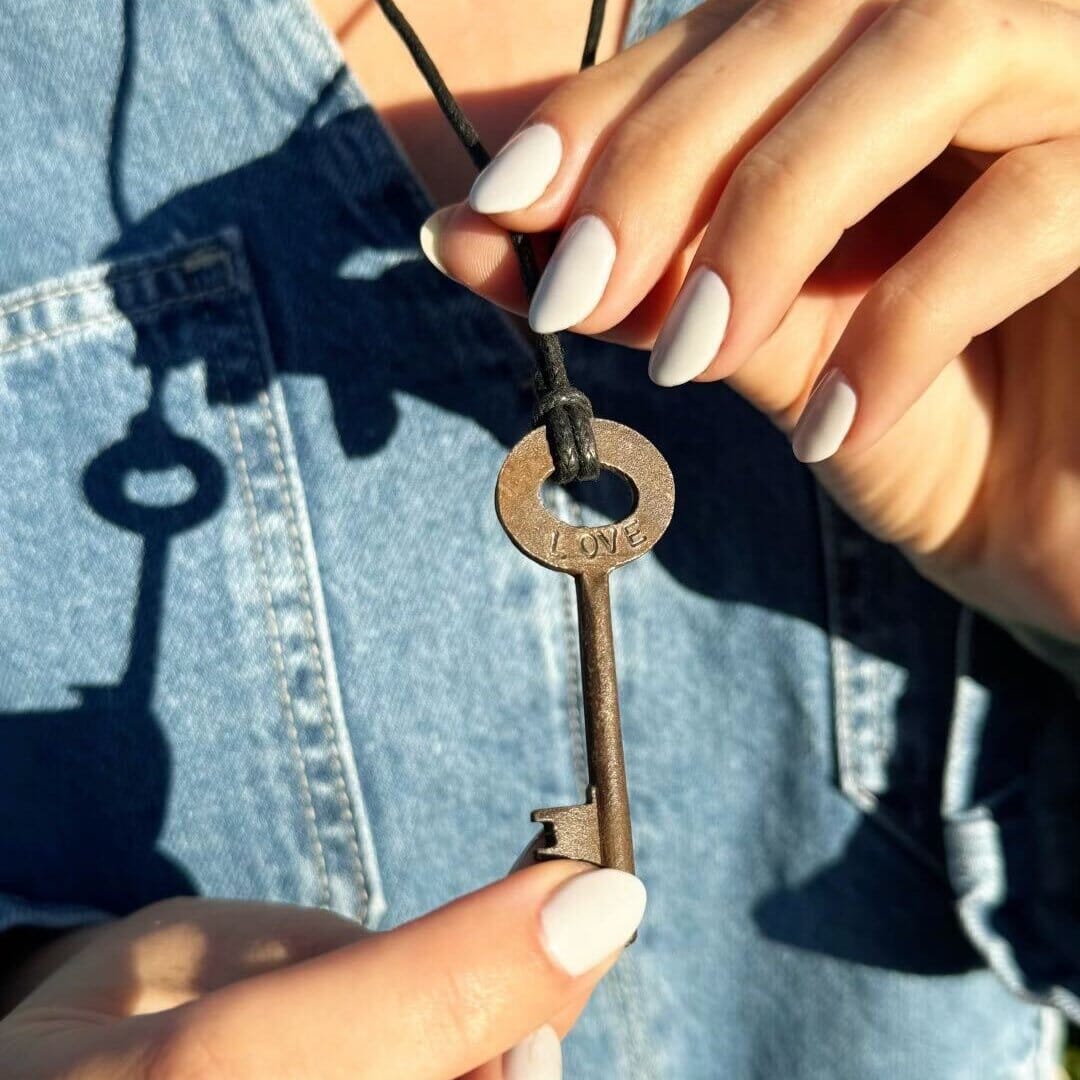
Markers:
<point>656,182</point>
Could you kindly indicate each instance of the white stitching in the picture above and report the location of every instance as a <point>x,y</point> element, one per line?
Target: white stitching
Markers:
<point>98,281</point>
<point>625,986</point>
<point>109,317</point>
<point>284,694</point>
<point>300,567</point>
<point>839,680</point>
<point>849,780</point>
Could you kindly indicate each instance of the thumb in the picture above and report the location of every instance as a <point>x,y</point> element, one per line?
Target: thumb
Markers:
<point>429,1000</point>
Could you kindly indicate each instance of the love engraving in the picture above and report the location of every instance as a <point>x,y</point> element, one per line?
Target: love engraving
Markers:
<point>609,540</point>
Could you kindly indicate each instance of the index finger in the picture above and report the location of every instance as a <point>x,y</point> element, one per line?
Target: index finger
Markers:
<point>429,1000</point>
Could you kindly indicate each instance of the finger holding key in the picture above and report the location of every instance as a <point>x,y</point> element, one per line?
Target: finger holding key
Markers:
<point>642,145</point>
<point>429,1000</point>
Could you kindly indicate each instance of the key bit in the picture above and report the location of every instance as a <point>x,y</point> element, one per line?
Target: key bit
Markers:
<point>598,830</point>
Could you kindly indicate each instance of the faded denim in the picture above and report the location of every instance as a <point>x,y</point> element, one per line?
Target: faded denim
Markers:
<point>312,668</point>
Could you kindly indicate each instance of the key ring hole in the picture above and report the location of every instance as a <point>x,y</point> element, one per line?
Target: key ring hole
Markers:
<point>185,482</point>
<point>158,489</point>
<point>609,498</point>
<point>579,548</point>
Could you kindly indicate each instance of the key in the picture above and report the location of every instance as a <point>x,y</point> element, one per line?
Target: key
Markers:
<point>598,830</point>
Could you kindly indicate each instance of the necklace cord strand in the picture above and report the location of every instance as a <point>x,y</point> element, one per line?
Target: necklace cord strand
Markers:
<point>565,410</point>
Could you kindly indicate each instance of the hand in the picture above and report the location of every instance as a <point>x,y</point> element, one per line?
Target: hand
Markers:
<point>252,991</point>
<point>879,203</point>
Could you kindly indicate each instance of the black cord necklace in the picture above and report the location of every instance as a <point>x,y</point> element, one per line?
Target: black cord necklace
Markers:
<point>565,411</point>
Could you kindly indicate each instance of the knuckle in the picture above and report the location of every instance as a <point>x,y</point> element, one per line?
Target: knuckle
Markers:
<point>317,933</point>
<point>1047,556</point>
<point>944,14</point>
<point>463,1009</point>
<point>765,178</point>
<point>173,910</point>
<point>898,311</point>
<point>795,15</point>
<point>1025,167</point>
<point>577,96</point>
<point>1045,178</point>
<point>183,1053</point>
<point>643,136</point>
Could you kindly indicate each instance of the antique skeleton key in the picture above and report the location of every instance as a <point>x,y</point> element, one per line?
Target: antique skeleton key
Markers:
<point>597,831</point>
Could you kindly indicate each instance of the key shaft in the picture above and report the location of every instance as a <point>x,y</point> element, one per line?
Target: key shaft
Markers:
<point>603,727</point>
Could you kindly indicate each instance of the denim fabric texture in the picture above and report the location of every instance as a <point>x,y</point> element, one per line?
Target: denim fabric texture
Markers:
<point>262,635</point>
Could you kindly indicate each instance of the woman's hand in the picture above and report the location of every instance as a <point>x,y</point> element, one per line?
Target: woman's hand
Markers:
<point>877,203</point>
<point>201,989</point>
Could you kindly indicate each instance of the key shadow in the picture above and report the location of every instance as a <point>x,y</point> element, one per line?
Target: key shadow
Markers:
<point>94,779</point>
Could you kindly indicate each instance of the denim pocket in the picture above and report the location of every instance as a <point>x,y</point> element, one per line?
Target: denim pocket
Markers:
<point>169,719</point>
<point>893,644</point>
<point>1012,816</point>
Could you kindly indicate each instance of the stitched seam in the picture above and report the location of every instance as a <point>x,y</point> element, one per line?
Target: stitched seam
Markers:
<point>300,568</point>
<point>284,694</point>
<point>101,284</point>
<point>1035,1059</point>
<point>849,781</point>
<point>626,983</point>
<point>109,317</point>
<point>1050,1027</point>
<point>841,697</point>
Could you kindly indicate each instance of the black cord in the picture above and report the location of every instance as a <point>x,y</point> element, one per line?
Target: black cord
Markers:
<point>592,35</point>
<point>564,409</point>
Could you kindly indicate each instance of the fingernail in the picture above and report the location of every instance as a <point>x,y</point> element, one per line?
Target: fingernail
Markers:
<point>537,1057</point>
<point>575,278</point>
<point>694,330</point>
<point>430,232</point>
<point>826,419</point>
<point>519,173</point>
<point>590,917</point>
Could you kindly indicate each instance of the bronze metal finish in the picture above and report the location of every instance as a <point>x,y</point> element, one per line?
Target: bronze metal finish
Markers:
<point>598,831</point>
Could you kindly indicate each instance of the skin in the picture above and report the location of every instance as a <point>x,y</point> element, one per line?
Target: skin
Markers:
<point>195,988</point>
<point>890,190</point>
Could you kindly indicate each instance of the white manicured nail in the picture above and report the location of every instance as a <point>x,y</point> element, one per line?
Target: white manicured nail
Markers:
<point>575,278</point>
<point>429,237</point>
<point>826,420</point>
<point>590,917</point>
<point>694,330</point>
<point>536,1057</point>
<point>519,173</point>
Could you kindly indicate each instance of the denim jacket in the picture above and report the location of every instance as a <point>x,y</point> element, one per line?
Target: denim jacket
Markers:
<point>263,636</point>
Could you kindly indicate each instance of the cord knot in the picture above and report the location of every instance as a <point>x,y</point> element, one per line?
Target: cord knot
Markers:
<point>568,414</point>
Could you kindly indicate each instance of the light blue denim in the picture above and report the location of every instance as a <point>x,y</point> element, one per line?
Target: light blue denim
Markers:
<point>312,668</point>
